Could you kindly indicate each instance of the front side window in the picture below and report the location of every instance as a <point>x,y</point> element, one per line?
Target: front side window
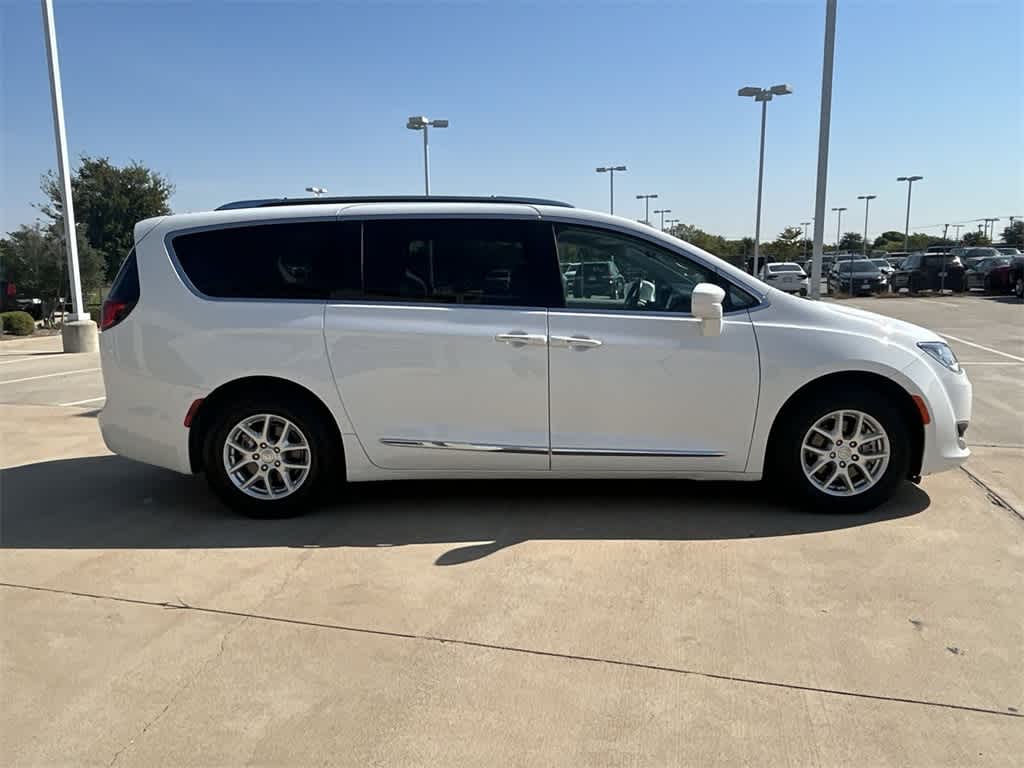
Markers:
<point>301,260</point>
<point>620,272</point>
<point>450,261</point>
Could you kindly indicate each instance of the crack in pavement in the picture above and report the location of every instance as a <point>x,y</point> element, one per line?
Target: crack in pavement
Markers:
<point>1009,712</point>
<point>994,497</point>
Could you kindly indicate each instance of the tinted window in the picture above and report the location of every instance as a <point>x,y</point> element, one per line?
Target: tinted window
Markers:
<point>307,260</point>
<point>459,262</point>
<point>623,272</point>
<point>126,284</point>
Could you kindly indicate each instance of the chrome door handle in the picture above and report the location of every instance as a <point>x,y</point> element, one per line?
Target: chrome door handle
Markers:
<point>575,342</point>
<point>519,338</point>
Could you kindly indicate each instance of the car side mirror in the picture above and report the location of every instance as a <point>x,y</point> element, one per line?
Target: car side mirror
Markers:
<point>706,305</point>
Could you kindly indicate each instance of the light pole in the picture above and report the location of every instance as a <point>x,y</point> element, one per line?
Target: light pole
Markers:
<point>956,236</point>
<point>421,123</point>
<point>79,334</point>
<point>906,229</point>
<point>610,170</point>
<point>805,225</point>
<point>992,229</point>
<point>663,211</point>
<point>867,202</point>
<point>317,191</point>
<point>763,95</point>
<point>839,226</point>
<point>647,207</point>
<point>671,222</point>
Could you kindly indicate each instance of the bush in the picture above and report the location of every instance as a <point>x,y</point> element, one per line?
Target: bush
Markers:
<point>18,323</point>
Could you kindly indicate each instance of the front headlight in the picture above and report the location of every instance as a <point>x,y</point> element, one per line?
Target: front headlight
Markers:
<point>941,352</point>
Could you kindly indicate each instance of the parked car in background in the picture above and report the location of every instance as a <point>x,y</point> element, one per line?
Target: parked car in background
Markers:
<point>786,276</point>
<point>1015,276</point>
<point>940,249</point>
<point>929,272</point>
<point>1008,250</point>
<point>990,275</point>
<point>896,258</point>
<point>283,347</point>
<point>857,277</point>
<point>883,266</point>
<point>598,278</point>
<point>10,301</point>
<point>971,256</point>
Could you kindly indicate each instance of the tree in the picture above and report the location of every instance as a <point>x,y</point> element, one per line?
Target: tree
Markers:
<point>34,259</point>
<point>786,246</point>
<point>715,244</point>
<point>851,241</point>
<point>109,200</point>
<point>1014,234</point>
<point>976,238</point>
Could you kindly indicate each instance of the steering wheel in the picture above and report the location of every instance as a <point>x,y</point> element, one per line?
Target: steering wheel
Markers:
<point>632,295</point>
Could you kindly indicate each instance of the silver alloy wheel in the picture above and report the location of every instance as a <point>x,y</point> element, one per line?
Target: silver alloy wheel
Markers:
<point>266,456</point>
<point>845,453</point>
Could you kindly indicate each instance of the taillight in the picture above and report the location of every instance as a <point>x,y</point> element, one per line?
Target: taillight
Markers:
<point>114,312</point>
<point>124,294</point>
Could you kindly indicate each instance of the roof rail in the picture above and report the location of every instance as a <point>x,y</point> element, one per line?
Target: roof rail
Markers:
<point>273,201</point>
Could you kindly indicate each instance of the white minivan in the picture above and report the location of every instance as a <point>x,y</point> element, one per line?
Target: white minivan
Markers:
<point>277,346</point>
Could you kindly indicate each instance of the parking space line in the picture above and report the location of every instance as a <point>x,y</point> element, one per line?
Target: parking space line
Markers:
<point>48,376</point>
<point>991,362</point>
<point>83,402</point>
<point>979,346</point>
<point>29,359</point>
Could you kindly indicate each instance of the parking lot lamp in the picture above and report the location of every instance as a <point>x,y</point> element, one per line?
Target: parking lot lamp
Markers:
<point>647,207</point>
<point>805,225</point>
<point>610,170</point>
<point>421,123</point>
<point>867,202</point>
<point>906,229</point>
<point>663,211</point>
<point>317,191</point>
<point>763,95</point>
<point>839,224</point>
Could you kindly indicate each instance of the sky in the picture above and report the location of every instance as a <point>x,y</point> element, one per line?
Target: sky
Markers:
<point>235,100</point>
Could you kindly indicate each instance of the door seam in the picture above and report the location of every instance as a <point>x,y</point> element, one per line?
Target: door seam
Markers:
<point>547,330</point>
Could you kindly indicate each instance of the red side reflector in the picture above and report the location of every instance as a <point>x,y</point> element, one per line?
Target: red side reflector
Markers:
<point>922,409</point>
<point>192,411</point>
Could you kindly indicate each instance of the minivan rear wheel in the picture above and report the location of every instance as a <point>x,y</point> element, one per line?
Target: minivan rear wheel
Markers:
<point>267,459</point>
<point>844,452</point>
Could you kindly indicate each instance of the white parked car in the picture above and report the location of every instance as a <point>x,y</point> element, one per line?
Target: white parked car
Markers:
<point>278,346</point>
<point>785,276</point>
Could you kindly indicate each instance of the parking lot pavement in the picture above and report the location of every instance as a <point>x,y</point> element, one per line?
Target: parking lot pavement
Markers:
<point>987,335</point>
<point>35,370</point>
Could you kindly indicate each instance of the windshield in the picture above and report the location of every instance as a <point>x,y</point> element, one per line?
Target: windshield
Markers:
<point>859,267</point>
<point>880,263</point>
<point>784,268</point>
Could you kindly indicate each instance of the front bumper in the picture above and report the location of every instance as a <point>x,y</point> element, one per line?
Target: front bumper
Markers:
<point>947,395</point>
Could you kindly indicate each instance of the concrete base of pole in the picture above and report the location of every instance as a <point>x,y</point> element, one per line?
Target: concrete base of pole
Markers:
<point>80,336</point>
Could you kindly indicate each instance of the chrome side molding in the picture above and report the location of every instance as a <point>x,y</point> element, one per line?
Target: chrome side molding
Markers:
<point>456,445</point>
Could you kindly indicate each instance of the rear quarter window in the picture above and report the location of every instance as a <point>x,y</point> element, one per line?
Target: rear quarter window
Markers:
<point>293,260</point>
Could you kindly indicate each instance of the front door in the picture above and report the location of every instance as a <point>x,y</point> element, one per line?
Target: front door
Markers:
<point>442,361</point>
<point>634,384</point>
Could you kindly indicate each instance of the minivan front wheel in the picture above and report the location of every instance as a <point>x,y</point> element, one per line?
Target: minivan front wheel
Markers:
<point>267,459</point>
<point>842,452</point>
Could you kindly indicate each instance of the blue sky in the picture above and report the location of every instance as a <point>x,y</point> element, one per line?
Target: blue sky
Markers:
<point>233,100</point>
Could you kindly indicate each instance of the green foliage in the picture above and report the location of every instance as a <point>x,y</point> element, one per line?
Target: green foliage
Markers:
<point>35,260</point>
<point>976,238</point>
<point>851,241</point>
<point>109,200</point>
<point>715,244</point>
<point>18,323</point>
<point>1014,235</point>
<point>787,246</point>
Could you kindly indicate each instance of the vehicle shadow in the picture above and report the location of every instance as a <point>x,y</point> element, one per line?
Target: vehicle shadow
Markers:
<point>106,502</point>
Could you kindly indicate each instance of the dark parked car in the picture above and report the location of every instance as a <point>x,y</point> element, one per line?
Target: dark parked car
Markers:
<point>856,277</point>
<point>929,272</point>
<point>600,278</point>
<point>10,301</point>
<point>990,275</point>
<point>1015,275</point>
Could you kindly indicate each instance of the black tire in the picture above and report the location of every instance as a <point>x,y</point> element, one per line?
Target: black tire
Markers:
<point>1018,288</point>
<point>912,287</point>
<point>785,469</point>
<point>325,458</point>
